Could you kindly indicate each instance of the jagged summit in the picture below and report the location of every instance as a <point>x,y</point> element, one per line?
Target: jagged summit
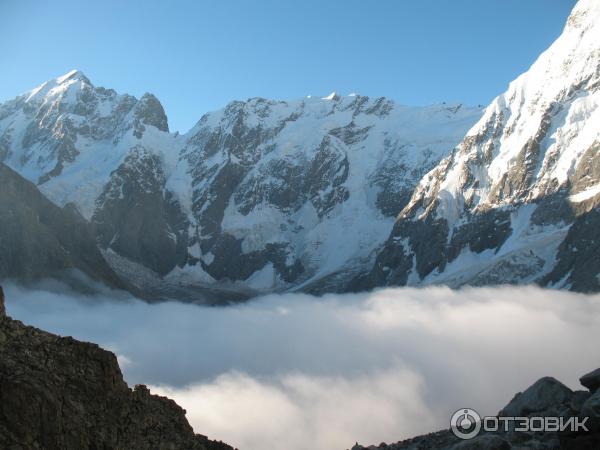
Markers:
<point>73,75</point>
<point>333,96</point>
<point>63,87</point>
<point>502,204</point>
<point>261,193</point>
<point>301,194</point>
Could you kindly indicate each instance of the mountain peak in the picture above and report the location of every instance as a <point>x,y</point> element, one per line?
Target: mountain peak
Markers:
<point>73,75</point>
<point>332,96</point>
<point>58,86</point>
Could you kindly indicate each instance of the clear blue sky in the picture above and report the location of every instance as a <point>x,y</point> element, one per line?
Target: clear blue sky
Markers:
<point>196,56</point>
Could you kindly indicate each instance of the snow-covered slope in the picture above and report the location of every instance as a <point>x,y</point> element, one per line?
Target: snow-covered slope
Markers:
<point>262,194</point>
<point>285,192</point>
<point>504,206</point>
<point>67,136</point>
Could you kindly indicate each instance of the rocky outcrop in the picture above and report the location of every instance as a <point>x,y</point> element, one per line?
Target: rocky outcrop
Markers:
<point>591,380</point>
<point>547,397</point>
<point>61,394</point>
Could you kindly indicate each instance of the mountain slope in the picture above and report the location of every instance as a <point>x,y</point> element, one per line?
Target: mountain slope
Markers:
<point>285,192</point>
<point>38,239</point>
<point>501,207</point>
<point>59,393</point>
<point>261,195</point>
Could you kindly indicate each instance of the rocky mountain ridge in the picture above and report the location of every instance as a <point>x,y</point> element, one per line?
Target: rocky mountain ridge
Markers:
<point>262,195</point>
<point>336,193</point>
<point>59,393</point>
<point>547,397</point>
<point>517,200</point>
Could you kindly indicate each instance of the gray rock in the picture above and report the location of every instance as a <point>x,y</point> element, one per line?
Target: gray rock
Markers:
<point>486,442</point>
<point>591,409</point>
<point>59,393</point>
<point>578,399</point>
<point>578,257</point>
<point>591,380</point>
<point>149,111</point>
<point>545,397</point>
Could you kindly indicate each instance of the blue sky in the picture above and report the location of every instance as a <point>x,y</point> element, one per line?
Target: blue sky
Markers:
<point>196,56</point>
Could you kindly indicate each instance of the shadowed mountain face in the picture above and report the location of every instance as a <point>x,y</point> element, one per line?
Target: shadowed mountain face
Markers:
<point>517,200</point>
<point>38,239</point>
<point>58,393</point>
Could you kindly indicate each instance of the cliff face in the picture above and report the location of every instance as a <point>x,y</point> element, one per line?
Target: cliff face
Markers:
<point>59,393</point>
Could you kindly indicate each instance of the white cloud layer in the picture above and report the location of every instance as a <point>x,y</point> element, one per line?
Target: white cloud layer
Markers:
<point>299,372</point>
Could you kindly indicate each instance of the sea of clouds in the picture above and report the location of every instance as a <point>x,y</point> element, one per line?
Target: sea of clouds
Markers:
<point>295,372</point>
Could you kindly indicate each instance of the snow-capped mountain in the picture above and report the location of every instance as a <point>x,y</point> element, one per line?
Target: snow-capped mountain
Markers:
<point>67,135</point>
<point>517,200</point>
<point>285,192</point>
<point>262,194</point>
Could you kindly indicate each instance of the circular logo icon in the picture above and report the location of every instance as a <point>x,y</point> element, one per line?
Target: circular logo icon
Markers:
<point>465,423</point>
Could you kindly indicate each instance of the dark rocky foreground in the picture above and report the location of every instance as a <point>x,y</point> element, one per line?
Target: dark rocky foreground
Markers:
<point>59,393</point>
<point>547,397</point>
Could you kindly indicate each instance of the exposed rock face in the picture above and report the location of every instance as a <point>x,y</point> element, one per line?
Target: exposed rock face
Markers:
<point>578,256</point>
<point>591,380</point>
<point>516,202</point>
<point>302,189</point>
<point>262,194</point>
<point>107,155</point>
<point>38,239</point>
<point>138,218</point>
<point>547,397</point>
<point>336,193</point>
<point>58,393</point>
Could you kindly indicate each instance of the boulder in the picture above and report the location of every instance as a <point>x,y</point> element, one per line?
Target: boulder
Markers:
<point>591,409</point>
<point>545,397</point>
<point>591,380</point>
<point>578,399</point>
